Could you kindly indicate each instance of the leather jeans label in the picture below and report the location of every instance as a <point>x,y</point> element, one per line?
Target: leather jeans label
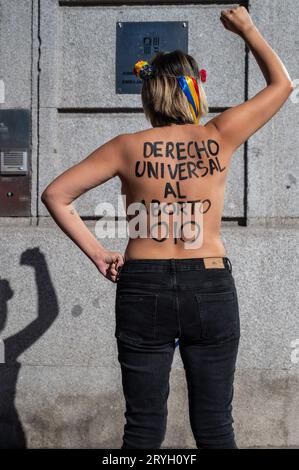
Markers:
<point>213,263</point>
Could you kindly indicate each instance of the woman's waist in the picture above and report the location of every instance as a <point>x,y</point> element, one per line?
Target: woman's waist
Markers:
<point>147,248</point>
<point>194,263</point>
<point>162,275</point>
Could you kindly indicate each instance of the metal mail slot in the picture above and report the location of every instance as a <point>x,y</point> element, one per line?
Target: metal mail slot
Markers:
<point>14,162</point>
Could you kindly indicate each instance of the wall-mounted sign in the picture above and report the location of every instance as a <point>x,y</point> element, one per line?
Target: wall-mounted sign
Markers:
<point>141,40</point>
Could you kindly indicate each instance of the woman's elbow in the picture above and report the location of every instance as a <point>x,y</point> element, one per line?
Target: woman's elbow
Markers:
<point>288,90</point>
<point>288,87</point>
<point>284,86</point>
<point>51,196</point>
<point>282,91</point>
<point>47,195</point>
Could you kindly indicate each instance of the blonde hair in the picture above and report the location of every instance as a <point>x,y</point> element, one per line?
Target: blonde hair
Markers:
<point>163,100</point>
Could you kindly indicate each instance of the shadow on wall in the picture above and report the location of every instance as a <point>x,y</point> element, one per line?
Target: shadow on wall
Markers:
<point>11,431</point>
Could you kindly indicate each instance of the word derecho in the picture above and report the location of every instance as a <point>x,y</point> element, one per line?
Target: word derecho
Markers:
<point>204,155</point>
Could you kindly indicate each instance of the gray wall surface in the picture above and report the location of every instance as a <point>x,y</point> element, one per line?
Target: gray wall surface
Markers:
<point>61,385</point>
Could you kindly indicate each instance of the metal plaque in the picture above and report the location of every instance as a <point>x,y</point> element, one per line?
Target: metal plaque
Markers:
<point>141,40</point>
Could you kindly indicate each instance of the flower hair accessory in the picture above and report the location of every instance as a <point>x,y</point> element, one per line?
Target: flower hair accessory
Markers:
<point>143,69</point>
<point>203,75</point>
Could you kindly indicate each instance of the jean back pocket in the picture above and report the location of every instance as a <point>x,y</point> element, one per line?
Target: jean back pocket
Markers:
<point>219,315</point>
<point>135,316</point>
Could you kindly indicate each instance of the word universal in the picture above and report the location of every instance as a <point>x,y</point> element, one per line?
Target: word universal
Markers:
<point>193,159</point>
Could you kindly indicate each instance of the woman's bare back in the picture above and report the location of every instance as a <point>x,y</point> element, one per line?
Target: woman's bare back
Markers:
<point>178,173</point>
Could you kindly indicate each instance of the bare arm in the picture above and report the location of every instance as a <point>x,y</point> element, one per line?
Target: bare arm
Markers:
<point>98,167</point>
<point>237,124</point>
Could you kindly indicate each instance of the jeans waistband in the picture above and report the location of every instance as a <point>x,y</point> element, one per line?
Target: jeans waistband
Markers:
<point>176,264</point>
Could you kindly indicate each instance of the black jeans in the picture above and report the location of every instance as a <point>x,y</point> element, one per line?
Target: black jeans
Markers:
<point>159,301</point>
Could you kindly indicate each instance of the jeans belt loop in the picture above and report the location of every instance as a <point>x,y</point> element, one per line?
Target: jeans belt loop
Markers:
<point>229,265</point>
